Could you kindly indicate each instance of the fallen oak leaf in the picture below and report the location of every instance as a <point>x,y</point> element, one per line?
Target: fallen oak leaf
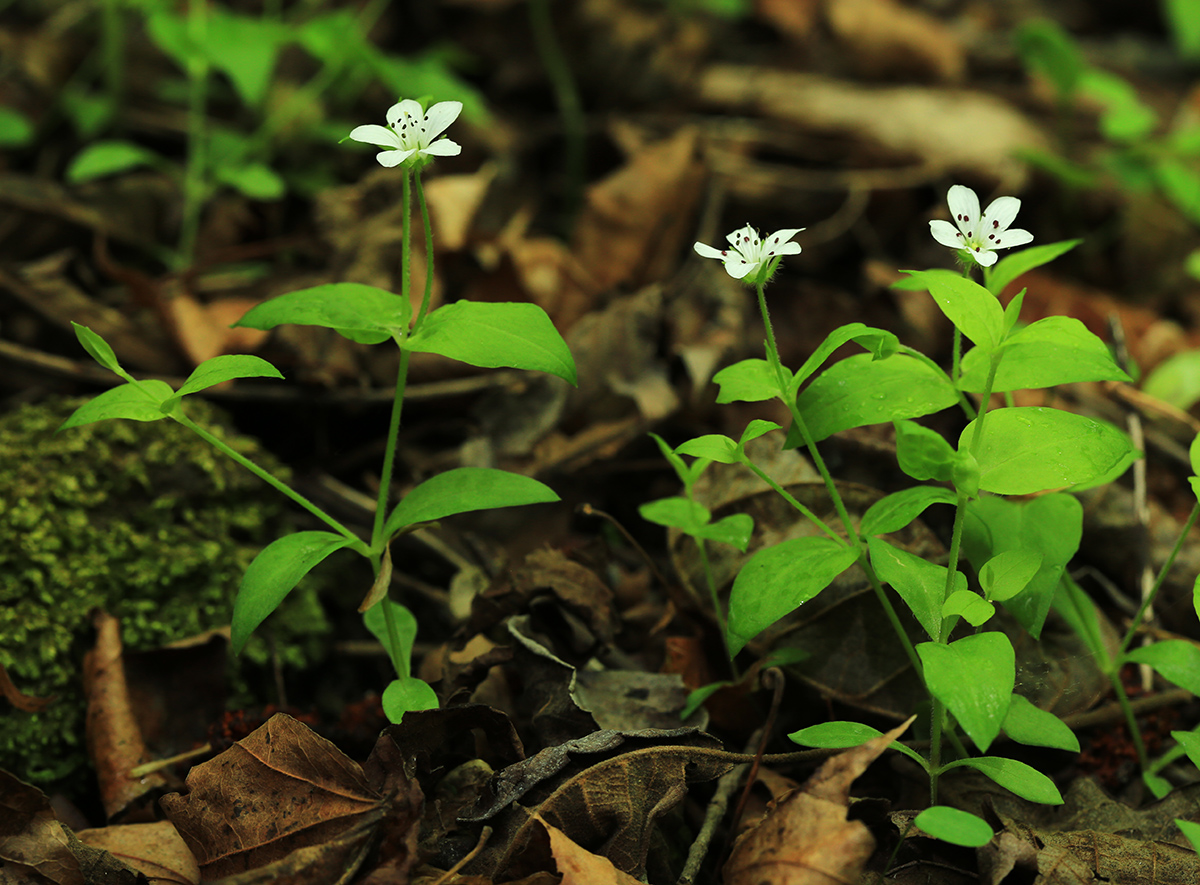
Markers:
<point>280,790</point>
<point>580,867</point>
<point>806,839</point>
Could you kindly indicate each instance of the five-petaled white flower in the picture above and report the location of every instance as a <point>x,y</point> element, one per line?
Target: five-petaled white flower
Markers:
<point>749,253</point>
<point>412,131</point>
<point>979,235</point>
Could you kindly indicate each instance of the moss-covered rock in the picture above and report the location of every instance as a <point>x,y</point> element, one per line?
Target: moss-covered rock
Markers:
<point>145,520</point>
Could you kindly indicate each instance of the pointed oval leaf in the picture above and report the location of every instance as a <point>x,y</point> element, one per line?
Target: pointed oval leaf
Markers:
<point>920,583</point>
<point>1007,574</point>
<point>750,381</point>
<point>777,580</point>
<point>923,453</point>
<point>1014,776</point>
<point>1176,380</point>
<point>97,347</point>
<point>273,574</point>
<point>969,606</point>
<point>878,342</point>
<point>1054,350</point>
<point>109,158</point>
<point>1033,449</point>
<point>972,308</point>
<point>842,735</point>
<point>375,620</point>
<point>677,513</point>
<point>862,390</point>
<point>1191,830</point>
<point>1028,724</point>
<point>734,530</point>
<point>226,368</point>
<point>954,826</point>
<point>463,490</point>
<point>979,702</point>
<point>756,428</point>
<point>361,313</point>
<point>894,512</point>
<point>713,446</point>
<point>134,400</point>
<point>516,335</point>
<point>408,695</point>
<point>1175,660</point>
<point>1012,266</point>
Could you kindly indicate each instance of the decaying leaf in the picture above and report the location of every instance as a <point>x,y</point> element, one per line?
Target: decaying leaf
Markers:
<point>806,839</point>
<point>153,849</point>
<point>281,789</point>
<point>19,699</point>
<point>579,867</point>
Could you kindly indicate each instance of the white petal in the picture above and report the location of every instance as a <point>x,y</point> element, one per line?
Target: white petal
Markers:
<point>375,134</point>
<point>396,111</point>
<point>946,234</point>
<point>782,236</point>
<point>788,248</point>
<point>708,251</point>
<point>737,268</point>
<point>999,215</point>
<point>393,158</point>
<point>1006,239</point>
<point>742,237</point>
<point>443,147</point>
<point>985,258</point>
<point>964,206</point>
<point>440,116</point>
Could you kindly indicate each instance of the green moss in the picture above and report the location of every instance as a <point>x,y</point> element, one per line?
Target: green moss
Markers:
<point>144,520</point>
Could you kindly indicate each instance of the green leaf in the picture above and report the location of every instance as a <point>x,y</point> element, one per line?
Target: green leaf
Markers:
<point>134,400</point>
<point>697,696</point>
<point>1175,660</point>
<point>1196,595</point>
<point>1028,724</point>
<point>1050,51</point>
<point>1033,449</point>
<point>878,342</point>
<point>688,474</point>
<point>109,158</point>
<point>980,702</point>
<point>1125,117</point>
<point>1056,350</point>
<point>923,453</point>
<point>842,735</point>
<point>1081,614</point>
<point>954,826</point>
<point>225,368</point>
<point>750,381</point>
<point>756,428</point>
<point>1194,455</point>
<point>1012,266</point>
<point>169,32</point>
<point>1191,830</point>
<point>97,347</point>
<point>273,574</point>
<point>258,181</point>
<point>463,490</point>
<point>1181,185</point>
<point>861,390</point>
<point>1183,17</point>
<point>1051,525</point>
<point>734,530</point>
<point>1007,574</point>
<point>375,620</point>
<point>1012,312</point>
<point>1176,380</point>
<point>713,446</point>
<point>973,309</point>
<point>15,129</point>
<point>1159,787</point>
<point>968,605</point>
<point>408,695</point>
<point>894,512</point>
<point>777,580</point>
<point>1014,776</point>
<point>677,513</point>
<point>920,583</point>
<point>516,335</point>
<point>244,48</point>
<point>351,308</point>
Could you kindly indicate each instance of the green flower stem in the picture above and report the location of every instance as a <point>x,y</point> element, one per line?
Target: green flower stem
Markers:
<point>113,35</point>
<point>1136,623</point>
<point>936,715</point>
<point>718,612</point>
<point>428,251</point>
<point>1135,733</point>
<point>566,95</point>
<point>389,458</point>
<point>194,184</point>
<point>399,661</point>
<point>405,245</point>
<point>787,496</point>
<point>271,480</point>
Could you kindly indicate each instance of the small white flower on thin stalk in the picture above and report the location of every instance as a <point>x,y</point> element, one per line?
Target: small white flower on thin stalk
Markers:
<point>979,235</point>
<point>412,132</point>
<point>748,253</point>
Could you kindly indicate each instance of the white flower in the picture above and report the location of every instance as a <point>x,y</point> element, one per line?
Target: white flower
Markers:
<point>748,253</point>
<point>412,131</point>
<point>977,235</point>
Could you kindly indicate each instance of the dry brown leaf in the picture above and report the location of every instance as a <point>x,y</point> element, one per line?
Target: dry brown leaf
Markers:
<point>153,849</point>
<point>21,701</point>
<point>114,738</point>
<point>910,122</point>
<point>632,227</point>
<point>279,790</point>
<point>579,867</point>
<point>795,18</point>
<point>453,201</point>
<point>888,38</point>
<point>806,839</point>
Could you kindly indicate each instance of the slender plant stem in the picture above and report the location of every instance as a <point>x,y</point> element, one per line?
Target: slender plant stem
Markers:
<point>566,95</point>
<point>114,54</point>
<point>936,715</point>
<point>716,602</point>
<point>389,454</point>
<point>194,184</point>
<point>271,480</point>
<point>399,661</point>
<point>428,250</point>
<point>787,496</point>
<point>1136,623</point>
<point>1135,733</point>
